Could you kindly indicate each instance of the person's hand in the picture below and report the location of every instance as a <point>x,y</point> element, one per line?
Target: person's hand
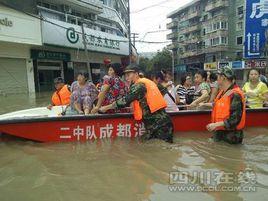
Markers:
<point>193,105</point>
<point>104,109</point>
<point>201,104</point>
<point>212,127</point>
<point>49,107</point>
<point>95,110</point>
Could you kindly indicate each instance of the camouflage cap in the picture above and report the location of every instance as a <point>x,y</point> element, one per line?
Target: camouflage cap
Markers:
<point>227,72</point>
<point>132,68</point>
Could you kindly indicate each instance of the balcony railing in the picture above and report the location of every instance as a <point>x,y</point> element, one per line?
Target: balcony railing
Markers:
<point>218,33</point>
<point>219,4</point>
<point>190,29</point>
<point>191,40</point>
<point>172,24</point>
<point>191,16</point>
<point>217,48</point>
<point>172,35</point>
<point>220,17</point>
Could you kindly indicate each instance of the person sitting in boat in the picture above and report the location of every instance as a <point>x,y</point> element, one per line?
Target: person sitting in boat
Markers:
<point>202,89</point>
<point>229,110</point>
<point>84,93</point>
<point>148,105</point>
<point>170,97</point>
<point>185,90</point>
<point>113,88</point>
<point>214,87</point>
<point>62,94</point>
<point>256,91</point>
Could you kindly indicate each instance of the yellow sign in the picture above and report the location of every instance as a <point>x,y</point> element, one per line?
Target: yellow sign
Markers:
<point>211,66</point>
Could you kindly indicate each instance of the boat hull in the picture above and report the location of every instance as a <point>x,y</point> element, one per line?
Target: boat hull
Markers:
<point>88,128</point>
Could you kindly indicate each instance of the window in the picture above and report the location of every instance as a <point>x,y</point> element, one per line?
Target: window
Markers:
<point>223,40</point>
<point>239,40</point>
<point>240,10</point>
<point>218,25</point>
<point>215,41</point>
<point>239,26</point>
<point>223,25</point>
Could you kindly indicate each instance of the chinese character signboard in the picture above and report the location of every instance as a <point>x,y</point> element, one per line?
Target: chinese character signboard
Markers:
<point>256,28</point>
<point>211,66</point>
<point>69,35</point>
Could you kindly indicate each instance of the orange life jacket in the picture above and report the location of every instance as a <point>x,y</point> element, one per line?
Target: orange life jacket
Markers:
<point>221,109</point>
<point>153,96</point>
<point>61,97</point>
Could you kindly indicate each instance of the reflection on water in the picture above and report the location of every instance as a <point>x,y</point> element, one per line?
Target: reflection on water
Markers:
<point>125,169</point>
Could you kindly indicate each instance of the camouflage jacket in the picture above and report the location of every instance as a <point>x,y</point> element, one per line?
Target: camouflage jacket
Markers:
<point>236,111</point>
<point>138,92</point>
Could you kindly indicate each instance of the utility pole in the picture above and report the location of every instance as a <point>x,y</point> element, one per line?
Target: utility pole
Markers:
<point>134,37</point>
<point>86,51</point>
<point>129,33</point>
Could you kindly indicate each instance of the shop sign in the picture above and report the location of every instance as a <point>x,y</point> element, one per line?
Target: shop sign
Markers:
<point>256,64</point>
<point>224,64</point>
<point>69,35</point>
<point>238,64</point>
<point>180,68</point>
<point>42,54</point>
<point>210,66</point>
<point>6,22</point>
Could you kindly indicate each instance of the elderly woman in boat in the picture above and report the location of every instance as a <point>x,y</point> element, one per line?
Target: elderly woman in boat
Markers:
<point>84,93</point>
<point>112,88</point>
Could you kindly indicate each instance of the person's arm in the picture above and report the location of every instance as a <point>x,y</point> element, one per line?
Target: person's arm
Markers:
<point>214,93</point>
<point>201,99</point>
<point>101,97</point>
<point>236,111</point>
<point>136,92</point>
<point>177,98</point>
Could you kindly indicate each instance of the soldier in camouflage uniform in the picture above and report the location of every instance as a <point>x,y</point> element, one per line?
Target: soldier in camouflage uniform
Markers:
<point>158,124</point>
<point>230,133</point>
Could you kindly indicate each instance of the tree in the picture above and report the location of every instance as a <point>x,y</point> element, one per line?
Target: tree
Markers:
<point>145,64</point>
<point>162,60</point>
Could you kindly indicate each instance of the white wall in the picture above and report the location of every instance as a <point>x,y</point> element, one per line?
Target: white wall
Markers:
<point>21,28</point>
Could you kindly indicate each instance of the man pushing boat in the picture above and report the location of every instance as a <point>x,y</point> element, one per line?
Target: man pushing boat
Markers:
<point>229,110</point>
<point>148,106</point>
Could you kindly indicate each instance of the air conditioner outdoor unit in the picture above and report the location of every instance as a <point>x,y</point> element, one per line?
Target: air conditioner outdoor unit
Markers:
<point>241,16</point>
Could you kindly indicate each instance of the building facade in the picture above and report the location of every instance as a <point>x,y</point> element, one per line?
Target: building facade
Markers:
<point>75,36</point>
<point>207,34</point>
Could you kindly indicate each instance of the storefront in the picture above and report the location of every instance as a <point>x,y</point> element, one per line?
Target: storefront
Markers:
<point>49,65</point>
<point>18,34</point>
<point>67,38</point>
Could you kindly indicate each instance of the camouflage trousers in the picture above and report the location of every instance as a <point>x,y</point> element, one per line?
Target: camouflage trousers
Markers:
<point>231,137</point>
<point>159,126</point>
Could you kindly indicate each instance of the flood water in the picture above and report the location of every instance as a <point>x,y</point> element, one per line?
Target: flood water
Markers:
<point>125,169</point>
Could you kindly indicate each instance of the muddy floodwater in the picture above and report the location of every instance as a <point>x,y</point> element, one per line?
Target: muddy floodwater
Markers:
<point>126,170</point>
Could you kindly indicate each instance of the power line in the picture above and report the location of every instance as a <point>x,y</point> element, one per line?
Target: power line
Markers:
<point>151,6</point>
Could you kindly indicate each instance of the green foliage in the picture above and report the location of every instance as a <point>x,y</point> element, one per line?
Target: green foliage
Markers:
<point>162,60</point>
